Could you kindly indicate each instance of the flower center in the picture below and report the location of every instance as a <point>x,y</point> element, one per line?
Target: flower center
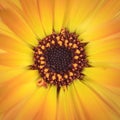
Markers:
<point>60,58</point>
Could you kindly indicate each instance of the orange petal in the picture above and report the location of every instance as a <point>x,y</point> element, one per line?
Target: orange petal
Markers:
<point>102,31</point>
<point>32,15</point>
<point>92,100</point>
<point>107,12</point>
<point>6,31</point>
<point>33,105</point>
<point>21,87</point>
<point>2,51</point>
<point>7,73</point>
<point>10,44</point>
<point>10,4</point>
<point>12,112</point>
<point>99,47</point>
<point>105,76</point>
<point>79,108</point>
<point>49,106</point>
<point>108,58</point>
<point>60,8</point>
<point>46,15</point>
<point>100,15</point>
<point>15,59</point>
<point>66,107</point>
<point>18,25</point>
<point>78,14</point>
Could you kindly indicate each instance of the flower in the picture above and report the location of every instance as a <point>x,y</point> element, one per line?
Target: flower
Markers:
<point>25,22</point>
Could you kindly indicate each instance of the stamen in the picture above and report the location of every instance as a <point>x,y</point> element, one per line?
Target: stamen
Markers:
<point>60,58</point>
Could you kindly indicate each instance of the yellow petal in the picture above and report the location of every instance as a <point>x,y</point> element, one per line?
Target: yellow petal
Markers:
<point>14,80</point>
<point>32,16</point>
<point>18,25</point>
<point>66,106</point>
<point>6,31</point>
<point>16,96</point>
<point>14,59</point>
<point>7,3</point>
<point>49,106</point>
<point>105,76</point>
<point>17,92</point>
<point>102,31</point>
<point>106,12</point>
<point>109,95</point>
<point>60,8</point>
<point>102,46</point>
<point>12,112</point>
<point>34,105</point>
<point>79,108</point>
<point>2,51</point>
<point>91,101</point>
<point>7,73</point>
<point>46,15</point>
<point>10,44</point>
<point>62,113</point>
<point>108,58</point>
<point>100,14</point>
<point>78,14</point>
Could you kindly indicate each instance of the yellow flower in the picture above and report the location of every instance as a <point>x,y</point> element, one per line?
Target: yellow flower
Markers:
<point>25,93</point>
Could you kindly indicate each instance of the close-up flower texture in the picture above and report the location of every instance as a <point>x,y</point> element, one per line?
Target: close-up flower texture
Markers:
<point>59,59</point>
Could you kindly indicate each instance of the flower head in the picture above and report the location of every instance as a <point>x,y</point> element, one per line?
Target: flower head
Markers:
<point>59,60</point>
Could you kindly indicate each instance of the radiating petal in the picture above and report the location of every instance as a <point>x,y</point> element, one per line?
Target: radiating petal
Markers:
<point>10,44</point>
<point>108,58</point>
<point>2,51</point>
<point>33,105</point>
<point>6,31</point>
<point>14,59</point>
<point>31,14</point>
<point>48,111</point>
<point>78,15</point>
<point>18,25</point>
<point>46,15</point>
<point>66,106</point>
<point>102,46</point>
<point>79,108</point>
<point>11,3</point>
<point>109,95</point>
<point>12,112</point>
<point>102,31</point>
<point>92,101</point>
<point>7,73</point>
<point>106,13</point>
<point>105,76</point>
<point>62,111</point>
<point>99,15</point>
<point>21,87</point>
<point>60,8</point>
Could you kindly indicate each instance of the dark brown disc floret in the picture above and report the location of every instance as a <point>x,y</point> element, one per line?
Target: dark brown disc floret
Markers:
<point>60,58</point>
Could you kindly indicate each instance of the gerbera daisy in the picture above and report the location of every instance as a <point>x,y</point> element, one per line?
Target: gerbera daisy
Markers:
<point>59,59</point>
